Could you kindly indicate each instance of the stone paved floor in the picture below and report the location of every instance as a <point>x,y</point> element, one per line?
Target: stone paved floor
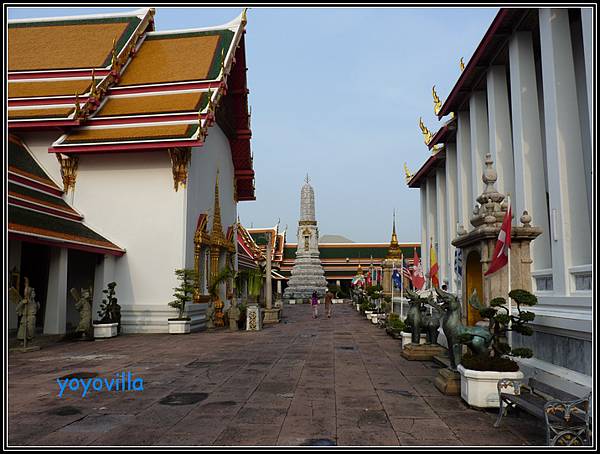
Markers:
<point>303,381</point>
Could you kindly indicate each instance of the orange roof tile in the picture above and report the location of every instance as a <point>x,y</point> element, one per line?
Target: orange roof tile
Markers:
<point>176,58</point>
<point>53,112</point>
<point>65,44</point>
<point>48,88</point>
<point>153,132</point>
<point>152,104</point>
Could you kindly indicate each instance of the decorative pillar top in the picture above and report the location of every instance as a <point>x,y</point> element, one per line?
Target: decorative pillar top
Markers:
<point>490,210</point>
<point>307,202</point>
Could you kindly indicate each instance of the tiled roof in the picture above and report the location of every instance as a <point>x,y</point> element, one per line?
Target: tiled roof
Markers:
<point>193,77</point>
<point>37,212</point>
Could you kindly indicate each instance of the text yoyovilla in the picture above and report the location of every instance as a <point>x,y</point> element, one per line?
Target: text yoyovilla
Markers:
<point>121,382</point>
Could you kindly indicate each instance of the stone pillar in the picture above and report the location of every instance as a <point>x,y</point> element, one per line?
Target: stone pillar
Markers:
<point>104,273</point>
<point>586,31</point>
<point>268,277</point>
<point>530,181</point>
<point>463,170</point>
<point>431,222</point>
<point>499,128</point>
<point>479,140</point>
<point>424,226</point>
<point>570,219</point>
<point>55,320</point>
<point>451,201</point>
<point>441,219</point>
<point>14,263</point>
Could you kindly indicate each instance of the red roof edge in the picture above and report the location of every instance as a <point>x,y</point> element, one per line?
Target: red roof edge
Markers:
<point>415,181</point>
<point>470,68</point>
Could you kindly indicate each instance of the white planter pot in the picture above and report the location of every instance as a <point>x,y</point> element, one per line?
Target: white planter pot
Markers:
<point>179,326</point>
<point>357,308</point>
<point>479,388</point>
<point>407,338</point>
<point>374,318</point>
<point>104,330</point>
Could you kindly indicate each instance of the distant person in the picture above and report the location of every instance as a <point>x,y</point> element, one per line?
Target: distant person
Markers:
<point>315,304</point>
<point>328,302</point>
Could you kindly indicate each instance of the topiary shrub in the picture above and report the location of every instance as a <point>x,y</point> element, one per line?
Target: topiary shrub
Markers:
<point>499,321</point>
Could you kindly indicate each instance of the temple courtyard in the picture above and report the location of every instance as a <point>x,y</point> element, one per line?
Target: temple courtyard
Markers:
<point>332,381</point>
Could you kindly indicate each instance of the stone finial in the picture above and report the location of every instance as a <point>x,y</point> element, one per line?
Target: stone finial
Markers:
<point>525,219</point>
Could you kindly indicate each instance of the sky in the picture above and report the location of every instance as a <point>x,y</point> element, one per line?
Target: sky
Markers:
<point>337,93</point>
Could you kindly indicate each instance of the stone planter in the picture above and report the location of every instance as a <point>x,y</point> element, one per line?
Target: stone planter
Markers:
<point>479,388</point>
<point>368,314</point>
<point>407,338</point>
<point>179,326</point>
<point>105,330</point>
<point>374,318</point>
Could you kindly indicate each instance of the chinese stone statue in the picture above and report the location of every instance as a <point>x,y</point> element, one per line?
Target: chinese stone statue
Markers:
<point>83,303</point>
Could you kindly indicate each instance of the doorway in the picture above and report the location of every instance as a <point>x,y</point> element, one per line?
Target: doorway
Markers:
<point>474,281</point>
<point>35,264</point>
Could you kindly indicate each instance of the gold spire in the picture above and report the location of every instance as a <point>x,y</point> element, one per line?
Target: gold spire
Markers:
<point>216,232</point>
<point>437,104</point>
<point>407,173</point>
<point>244,18</point>
<point>427,136</point>
<point>394,250</point>
<point>462,65</point>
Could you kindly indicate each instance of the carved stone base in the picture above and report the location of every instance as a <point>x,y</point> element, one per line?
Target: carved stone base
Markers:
<point>421,352</point>
<point>271,316</point>
<point>448,382</point>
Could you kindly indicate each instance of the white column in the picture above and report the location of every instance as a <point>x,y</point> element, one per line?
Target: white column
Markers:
<point>499,129</point>
<point>479,141</point>
<point>570,226</point>
<point>431,219</point>
<point>530,185</point>
<point>588,50</point>
<point>103,275</point>
<point>441,220</point>
<point>55,320</point>
<point>424,226</point>
<point>279,288</point>
<point>451,200</point>
<point>465,199</point>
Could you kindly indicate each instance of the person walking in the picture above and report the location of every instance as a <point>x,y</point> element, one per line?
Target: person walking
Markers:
<point>328,302</point>
<point>315,304</point>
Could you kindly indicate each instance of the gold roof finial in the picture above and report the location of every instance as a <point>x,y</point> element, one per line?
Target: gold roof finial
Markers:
<point>427,136</point>
<point>407,173</point>
<point>394,250</point>
<point>223,61</point>
<point>244,18</point>
<point>93,92</point>
<point>77,106</point>
<point>462,65</point>
<point>437,104</point>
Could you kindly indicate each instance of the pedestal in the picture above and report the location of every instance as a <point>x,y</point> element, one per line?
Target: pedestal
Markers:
<point>448,382</point>
<point>253,318</point>
<point>271,316</point>
<point>421,352</point>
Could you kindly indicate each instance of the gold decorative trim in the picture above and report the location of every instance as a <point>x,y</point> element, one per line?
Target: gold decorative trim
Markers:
<point>427,136</point>
<point>461,64</point>
<point>408,175</point>
<point>68,170</point>
<point>437,103</point>
<point>180,160</point>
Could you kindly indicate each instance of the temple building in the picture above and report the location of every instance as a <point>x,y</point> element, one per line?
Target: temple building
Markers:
<point>129,150</point>
<point>520,114</point>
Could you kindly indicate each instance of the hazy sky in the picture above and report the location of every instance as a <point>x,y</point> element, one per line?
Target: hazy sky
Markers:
<point>337,93</point>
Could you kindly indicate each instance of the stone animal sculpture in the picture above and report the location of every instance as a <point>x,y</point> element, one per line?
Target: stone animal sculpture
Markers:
<point>414,320</point>
<point>419,321</point>
<point>454,328</point>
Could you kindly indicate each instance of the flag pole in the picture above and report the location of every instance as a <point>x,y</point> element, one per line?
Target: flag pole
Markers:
<point>510,339</point>
<point>401,286</point>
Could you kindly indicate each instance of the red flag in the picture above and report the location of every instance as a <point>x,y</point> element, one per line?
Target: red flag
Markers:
<point>418,279</point>
<point>500,257</point>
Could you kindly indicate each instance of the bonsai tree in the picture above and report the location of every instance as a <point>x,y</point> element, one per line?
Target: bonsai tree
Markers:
<point>184,292</point>
<point>501,322</point>
<point>110,311</point>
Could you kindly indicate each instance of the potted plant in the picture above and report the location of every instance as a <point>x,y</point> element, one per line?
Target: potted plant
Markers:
<point>394,326</point>
<point>480,372</point>
<point>109,324</point>
<point>182,324</point>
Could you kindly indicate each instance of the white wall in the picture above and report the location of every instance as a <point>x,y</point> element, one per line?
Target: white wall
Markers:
<point>38,143</point>
<point>130,199</point>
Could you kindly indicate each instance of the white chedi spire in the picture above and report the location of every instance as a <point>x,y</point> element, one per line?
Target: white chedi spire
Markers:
<point>307,202</point>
